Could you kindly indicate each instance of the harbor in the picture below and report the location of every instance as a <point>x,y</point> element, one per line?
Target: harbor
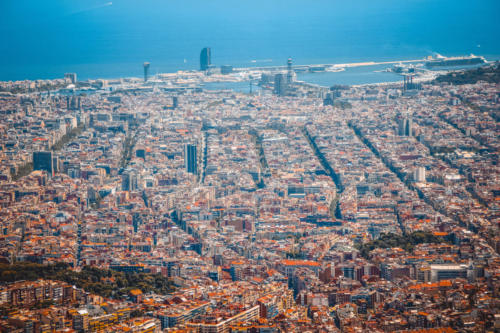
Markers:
<point>352,74</point>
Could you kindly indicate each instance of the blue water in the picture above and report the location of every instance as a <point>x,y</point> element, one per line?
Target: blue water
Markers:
<point>97,39</point>
<point>354,75</point>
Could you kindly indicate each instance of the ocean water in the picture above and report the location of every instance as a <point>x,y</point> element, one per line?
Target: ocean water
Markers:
<point>102,39</point>
<point>351,76</point>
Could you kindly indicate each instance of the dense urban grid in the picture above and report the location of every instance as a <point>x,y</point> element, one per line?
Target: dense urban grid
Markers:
<point>148,206</point>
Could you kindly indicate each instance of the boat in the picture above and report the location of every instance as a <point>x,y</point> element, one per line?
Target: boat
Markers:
<point>334,69</point>
<point>403,68</point>
<point>440,61</point>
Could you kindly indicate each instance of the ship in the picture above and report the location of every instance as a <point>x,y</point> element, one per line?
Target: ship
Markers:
<point>440,61</point>
<point>404,68</point>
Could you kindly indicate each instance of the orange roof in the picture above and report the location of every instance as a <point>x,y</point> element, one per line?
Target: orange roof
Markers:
<point>289,262</point>
<point>443,283</point>
<point>434,330</point>
<point>136,292</point>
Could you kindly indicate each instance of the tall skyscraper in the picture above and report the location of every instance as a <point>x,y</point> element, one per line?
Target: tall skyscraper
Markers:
<point>129,181</point>
<point>205,59</point>
<point>126,182</point>
<point>191,158</point>
<point>42,160</point>
<point>329,98</point>
<point>419,174</point>
<point>73,102</point>
<point>289,74</point>
<point>409,126</point>
<point>280,84</point>
<point>71,77</point>
<point>405,126</point>
<point>401,126</point>
<point>146,70</point>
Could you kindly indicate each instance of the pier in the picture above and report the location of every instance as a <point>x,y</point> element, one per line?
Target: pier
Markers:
<point>332,66</point>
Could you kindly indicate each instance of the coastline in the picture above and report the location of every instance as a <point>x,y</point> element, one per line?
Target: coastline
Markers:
<point>357,74</point>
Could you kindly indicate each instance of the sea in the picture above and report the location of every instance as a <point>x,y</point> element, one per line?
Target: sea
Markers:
<point>112,39</point>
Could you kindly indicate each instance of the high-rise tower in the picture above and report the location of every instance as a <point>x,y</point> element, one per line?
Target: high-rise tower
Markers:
<point>191,158</point>
<point>409,126</point>
<point>71,77</point>
<point>419,174</point>
<point>146,70</point>
<point>289,74</point>
<point>280,84</point>
<point>205,59</point>
<point>129,181</point>
<point>405,126</point>
<point>42,160</point>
